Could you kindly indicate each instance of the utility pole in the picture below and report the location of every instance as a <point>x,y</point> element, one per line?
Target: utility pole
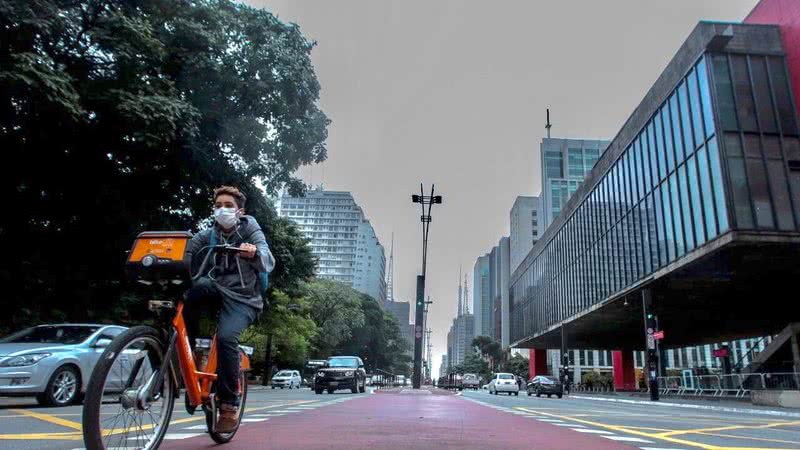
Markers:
<point>419,319</point>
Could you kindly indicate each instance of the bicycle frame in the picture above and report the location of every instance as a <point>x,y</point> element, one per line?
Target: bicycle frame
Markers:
<point>197,382</point>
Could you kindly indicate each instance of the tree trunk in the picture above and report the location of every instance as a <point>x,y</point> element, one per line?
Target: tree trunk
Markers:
<point>267,375</point>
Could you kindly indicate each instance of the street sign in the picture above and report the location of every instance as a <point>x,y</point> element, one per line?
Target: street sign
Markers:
<point>649,331</point>
<point>651,342</point>
<point>721,352</point>
<point>658,335</point>
<point>418,335</point>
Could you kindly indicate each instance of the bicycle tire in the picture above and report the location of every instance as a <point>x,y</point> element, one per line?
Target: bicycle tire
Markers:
<point>93,402</point>
<point>224,438</point>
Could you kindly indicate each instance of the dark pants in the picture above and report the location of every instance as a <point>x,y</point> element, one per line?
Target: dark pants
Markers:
<point>234,317</point>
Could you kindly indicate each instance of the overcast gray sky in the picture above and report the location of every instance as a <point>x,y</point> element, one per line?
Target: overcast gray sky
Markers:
<point>454,93</point>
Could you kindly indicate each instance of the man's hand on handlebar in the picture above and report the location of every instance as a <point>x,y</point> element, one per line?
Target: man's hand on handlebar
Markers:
<point>248,250</point>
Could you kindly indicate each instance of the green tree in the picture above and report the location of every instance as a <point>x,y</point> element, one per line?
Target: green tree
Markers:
<point>118,116</point>
<point>337,310</point>
<point>518,365</point>
<point>378,341</point>
<point>473,363</point>
<point>491,349</point>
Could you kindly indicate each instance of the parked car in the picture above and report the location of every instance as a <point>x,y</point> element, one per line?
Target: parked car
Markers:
<point>504,382</point>
<point>471,381</point>
<point>545,385</point>
<point>286,378</point>
<point>52,362</point>
<point>341,372</point>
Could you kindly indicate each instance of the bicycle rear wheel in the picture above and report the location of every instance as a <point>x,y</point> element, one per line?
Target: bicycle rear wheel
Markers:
<point>115,415</point>
<point>223,438</point>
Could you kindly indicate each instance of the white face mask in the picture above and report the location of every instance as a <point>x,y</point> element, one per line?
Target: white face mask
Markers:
<point>226,217</point>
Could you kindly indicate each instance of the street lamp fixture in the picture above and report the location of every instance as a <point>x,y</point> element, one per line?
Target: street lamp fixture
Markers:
<point>426,219</point>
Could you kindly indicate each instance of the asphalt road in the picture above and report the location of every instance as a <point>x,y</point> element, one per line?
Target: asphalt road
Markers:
<point>434,419</point>
<point>686,425</point>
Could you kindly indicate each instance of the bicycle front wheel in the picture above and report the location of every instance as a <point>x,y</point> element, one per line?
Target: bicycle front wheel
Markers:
<point>117,412</point>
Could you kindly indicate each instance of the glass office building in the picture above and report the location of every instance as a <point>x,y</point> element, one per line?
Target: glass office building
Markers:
<point>713,152</point>
<point>565,164</point>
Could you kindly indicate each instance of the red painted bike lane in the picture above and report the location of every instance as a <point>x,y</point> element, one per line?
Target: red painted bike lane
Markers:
<point>403,421</point>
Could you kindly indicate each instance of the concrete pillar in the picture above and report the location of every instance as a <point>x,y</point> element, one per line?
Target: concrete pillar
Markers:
<point>624,372</point>
<point>537,362</point>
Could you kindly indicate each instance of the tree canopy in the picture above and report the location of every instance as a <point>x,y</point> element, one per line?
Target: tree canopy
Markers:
<point>118,116</point>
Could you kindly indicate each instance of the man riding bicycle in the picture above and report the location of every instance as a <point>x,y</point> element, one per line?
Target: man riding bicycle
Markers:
<point>231,284</point>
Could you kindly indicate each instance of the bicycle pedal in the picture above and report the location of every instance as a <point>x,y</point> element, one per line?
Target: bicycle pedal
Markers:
<point>189,407</point>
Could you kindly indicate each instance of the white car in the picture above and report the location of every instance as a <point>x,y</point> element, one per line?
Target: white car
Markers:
<point>287,378</point>
<point>504,382</point>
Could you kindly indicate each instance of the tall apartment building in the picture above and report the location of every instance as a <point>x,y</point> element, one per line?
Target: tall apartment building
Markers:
<point>565,163</point>
<point>524,219</point>
<point>342,238</point>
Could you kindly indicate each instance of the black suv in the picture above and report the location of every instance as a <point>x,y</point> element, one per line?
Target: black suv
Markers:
<point>341,372</point>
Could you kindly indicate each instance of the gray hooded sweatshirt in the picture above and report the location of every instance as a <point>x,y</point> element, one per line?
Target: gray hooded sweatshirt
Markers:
<point>235,277</point>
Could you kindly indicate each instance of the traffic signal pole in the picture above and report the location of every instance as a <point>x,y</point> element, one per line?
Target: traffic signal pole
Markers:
<point>650,326</point>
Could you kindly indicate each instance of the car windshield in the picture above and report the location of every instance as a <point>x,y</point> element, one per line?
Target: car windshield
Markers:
<point>343,362</point>
<point>505,376</point>
<point>470,376</point>
<point>549,379</point>
<point>49,334</point>
<point>283,373</point>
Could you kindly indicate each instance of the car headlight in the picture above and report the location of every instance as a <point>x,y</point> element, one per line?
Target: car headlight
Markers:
<point>349,373</point>
<point>320,374</point>
<point>24,360</point>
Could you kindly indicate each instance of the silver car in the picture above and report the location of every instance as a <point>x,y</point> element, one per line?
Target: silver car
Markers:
<point>52,362</point>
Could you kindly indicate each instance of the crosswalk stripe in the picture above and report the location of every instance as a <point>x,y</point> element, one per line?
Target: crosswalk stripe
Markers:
<point>627,439</point>
<point>586,430</point>
<point>177,436</point>
<point>255,420</point>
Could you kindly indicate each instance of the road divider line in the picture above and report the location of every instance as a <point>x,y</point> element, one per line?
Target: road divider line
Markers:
<point>635,432</point>
<point>730,427</point>
<point>50,418</point>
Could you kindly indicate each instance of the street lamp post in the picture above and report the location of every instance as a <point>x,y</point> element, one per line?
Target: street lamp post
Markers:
<point>425,218</point>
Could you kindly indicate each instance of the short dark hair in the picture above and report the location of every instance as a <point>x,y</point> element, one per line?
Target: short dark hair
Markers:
<point>233,192</point>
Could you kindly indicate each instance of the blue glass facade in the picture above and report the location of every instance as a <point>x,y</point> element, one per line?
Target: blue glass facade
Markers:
<point>674,188</point>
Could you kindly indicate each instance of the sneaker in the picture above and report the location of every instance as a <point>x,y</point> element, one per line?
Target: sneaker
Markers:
<point>228,418</point>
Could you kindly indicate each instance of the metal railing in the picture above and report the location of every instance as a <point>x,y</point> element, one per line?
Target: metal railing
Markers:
<point>732,385</point>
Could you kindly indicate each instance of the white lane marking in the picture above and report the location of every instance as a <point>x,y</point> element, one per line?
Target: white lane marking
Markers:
<point>766,412</point>
<point>284,411</point>
<point>196,427</point>
<point>552,420</point>
<point>627,439</point>
<point>568,425</point>
<point>177,436</point>
<point>255,420</point>
<point>586,430</point>
<point>661,448</point>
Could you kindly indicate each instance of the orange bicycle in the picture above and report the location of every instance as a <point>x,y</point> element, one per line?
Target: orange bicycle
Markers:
<point>132,390</point>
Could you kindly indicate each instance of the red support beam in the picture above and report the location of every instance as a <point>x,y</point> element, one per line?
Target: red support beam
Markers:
<point>537,362</point>
<point>624,372</point>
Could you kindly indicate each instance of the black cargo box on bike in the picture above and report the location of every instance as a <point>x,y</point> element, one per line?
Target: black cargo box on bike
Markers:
<point>159,256</point>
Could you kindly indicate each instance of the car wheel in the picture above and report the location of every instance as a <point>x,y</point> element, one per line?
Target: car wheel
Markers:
<point>363,387</point>
<point>318,391</point>
<point>273,387</point>
<point>529,393</point>
<point>330,391</point>
<point>63,388</point>
<point>560,395</point>
<point>549,395</point>
<point>538,394</point>
<point>354,389</point>
<point>516,393</point>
